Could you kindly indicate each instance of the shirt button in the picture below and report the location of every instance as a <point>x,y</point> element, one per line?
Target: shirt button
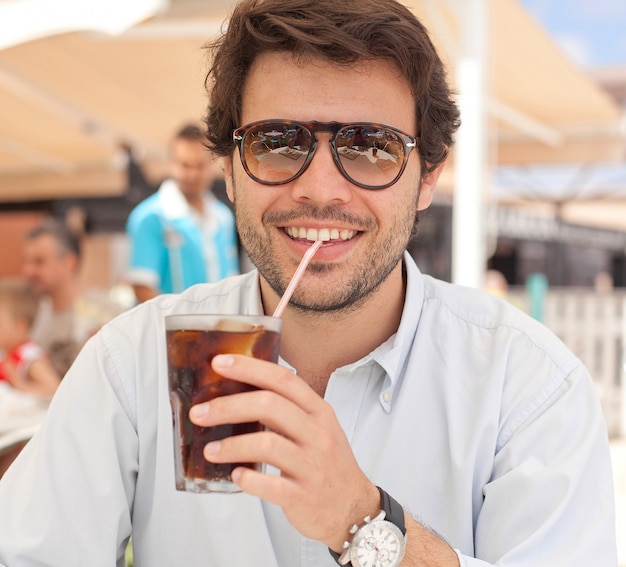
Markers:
<point>387,397</point>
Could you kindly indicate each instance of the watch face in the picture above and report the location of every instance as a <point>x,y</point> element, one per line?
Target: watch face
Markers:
<point>377,544</point>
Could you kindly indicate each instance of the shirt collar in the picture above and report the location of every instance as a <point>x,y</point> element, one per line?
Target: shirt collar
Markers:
<point>392,355</point>
<point>173,202</point>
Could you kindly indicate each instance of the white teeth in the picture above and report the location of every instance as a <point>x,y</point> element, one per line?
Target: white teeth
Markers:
<point>324,234</point>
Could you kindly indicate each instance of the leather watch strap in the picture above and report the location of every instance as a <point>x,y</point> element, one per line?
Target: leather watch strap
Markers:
<point>393,511</point>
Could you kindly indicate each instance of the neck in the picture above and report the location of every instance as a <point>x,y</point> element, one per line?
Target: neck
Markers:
<point>63,298</point>
<point>195,202</point>
<point>316,344</point>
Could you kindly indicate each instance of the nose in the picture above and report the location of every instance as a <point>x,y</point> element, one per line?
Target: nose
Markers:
<point>322,182</point>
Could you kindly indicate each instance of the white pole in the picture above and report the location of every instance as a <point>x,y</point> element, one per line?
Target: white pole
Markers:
<point>470,158</point>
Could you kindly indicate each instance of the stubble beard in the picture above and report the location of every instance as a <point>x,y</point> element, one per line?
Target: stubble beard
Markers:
<point>348,296</point>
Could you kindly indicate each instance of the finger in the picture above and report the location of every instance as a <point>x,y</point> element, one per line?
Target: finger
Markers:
<point>263,447</point>
<point>271,409</point>
<point>297,441</point>
<point>267,376</point>
<point>300,501</point>
<point>276,489</point>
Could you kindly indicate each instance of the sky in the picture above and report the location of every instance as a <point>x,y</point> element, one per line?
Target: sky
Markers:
<point>591,32</point>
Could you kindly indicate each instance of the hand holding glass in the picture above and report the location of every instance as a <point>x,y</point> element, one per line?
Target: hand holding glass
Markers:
<point>192,342</point>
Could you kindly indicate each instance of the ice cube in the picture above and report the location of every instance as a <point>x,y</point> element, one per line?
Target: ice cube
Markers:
<point>234,326</point>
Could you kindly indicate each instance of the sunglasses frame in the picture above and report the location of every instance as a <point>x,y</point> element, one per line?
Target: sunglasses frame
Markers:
<point>408,142</point>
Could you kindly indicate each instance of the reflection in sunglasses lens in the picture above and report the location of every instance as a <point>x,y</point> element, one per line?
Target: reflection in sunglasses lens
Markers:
<point>276,152</point>
<point>372,156</point>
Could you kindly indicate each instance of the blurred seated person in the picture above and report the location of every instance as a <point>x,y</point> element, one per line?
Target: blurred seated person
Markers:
<point>182,235</point>
<point>23,363</point>
<point>52,258</point>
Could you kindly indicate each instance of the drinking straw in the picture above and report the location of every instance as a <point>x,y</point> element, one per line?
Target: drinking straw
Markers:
<point>284,300</point>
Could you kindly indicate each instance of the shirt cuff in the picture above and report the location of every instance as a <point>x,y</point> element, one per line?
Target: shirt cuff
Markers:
<point>143,276</point>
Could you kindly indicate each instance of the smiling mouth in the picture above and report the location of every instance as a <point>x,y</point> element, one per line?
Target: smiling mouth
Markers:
<point>324,234</point>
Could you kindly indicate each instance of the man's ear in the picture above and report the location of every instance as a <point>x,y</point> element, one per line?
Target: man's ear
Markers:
<point>427,190</point>
<point>228,177</point>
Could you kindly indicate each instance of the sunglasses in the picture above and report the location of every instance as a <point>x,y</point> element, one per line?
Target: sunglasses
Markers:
<point>372,156</point>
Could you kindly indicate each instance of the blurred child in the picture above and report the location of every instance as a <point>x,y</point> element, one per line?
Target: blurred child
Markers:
<point>23,363</point>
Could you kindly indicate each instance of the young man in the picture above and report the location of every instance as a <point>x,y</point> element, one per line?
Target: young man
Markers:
<point>182,235</point>
<point>480,428</point>
<point>52,257</point>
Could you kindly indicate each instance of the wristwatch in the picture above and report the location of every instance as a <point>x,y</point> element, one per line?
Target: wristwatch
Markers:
<point>380,541</point>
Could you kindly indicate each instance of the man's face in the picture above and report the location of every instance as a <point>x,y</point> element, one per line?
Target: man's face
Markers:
<point>191,166</point>
<point>45,266</point>
<point>369,228</point>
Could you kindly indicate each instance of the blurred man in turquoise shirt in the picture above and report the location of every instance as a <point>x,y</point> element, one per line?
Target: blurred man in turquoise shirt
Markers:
<point>182,235</point>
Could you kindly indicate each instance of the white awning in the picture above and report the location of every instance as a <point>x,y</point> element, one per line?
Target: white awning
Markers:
<point>68,101</point>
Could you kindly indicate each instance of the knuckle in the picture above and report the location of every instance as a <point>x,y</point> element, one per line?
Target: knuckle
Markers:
<point>264,401</point>
<point>266,442</point>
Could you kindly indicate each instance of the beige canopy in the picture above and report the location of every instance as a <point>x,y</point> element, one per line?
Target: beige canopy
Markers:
<point>69,102</point>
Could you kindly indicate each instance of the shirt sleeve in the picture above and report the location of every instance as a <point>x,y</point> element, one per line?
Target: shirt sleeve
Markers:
<point>550,499</point>
<point>228,243</point>
<point>74,507</point>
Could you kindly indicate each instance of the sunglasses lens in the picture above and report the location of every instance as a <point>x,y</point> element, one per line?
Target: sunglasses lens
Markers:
<point>370,155</point>
<point>275,152</point>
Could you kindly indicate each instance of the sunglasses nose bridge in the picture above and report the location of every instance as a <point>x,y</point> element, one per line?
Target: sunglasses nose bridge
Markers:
<point>328,137</point>
<point>316,141</point>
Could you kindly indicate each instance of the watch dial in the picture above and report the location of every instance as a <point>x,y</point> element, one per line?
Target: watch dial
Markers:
<point>379,544</point>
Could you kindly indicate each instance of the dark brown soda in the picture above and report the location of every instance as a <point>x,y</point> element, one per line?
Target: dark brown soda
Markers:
<point>193,381</point>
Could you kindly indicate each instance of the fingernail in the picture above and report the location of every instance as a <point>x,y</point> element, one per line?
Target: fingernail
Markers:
<point>199,410</point>
<point>223,360</point>
<point>212,447</point>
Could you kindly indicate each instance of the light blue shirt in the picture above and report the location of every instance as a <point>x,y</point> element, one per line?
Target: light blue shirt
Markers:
<point>173,246</point>
<point>477,419</point>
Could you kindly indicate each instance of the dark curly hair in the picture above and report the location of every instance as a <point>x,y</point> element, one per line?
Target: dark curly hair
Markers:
<point>342,32</point>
